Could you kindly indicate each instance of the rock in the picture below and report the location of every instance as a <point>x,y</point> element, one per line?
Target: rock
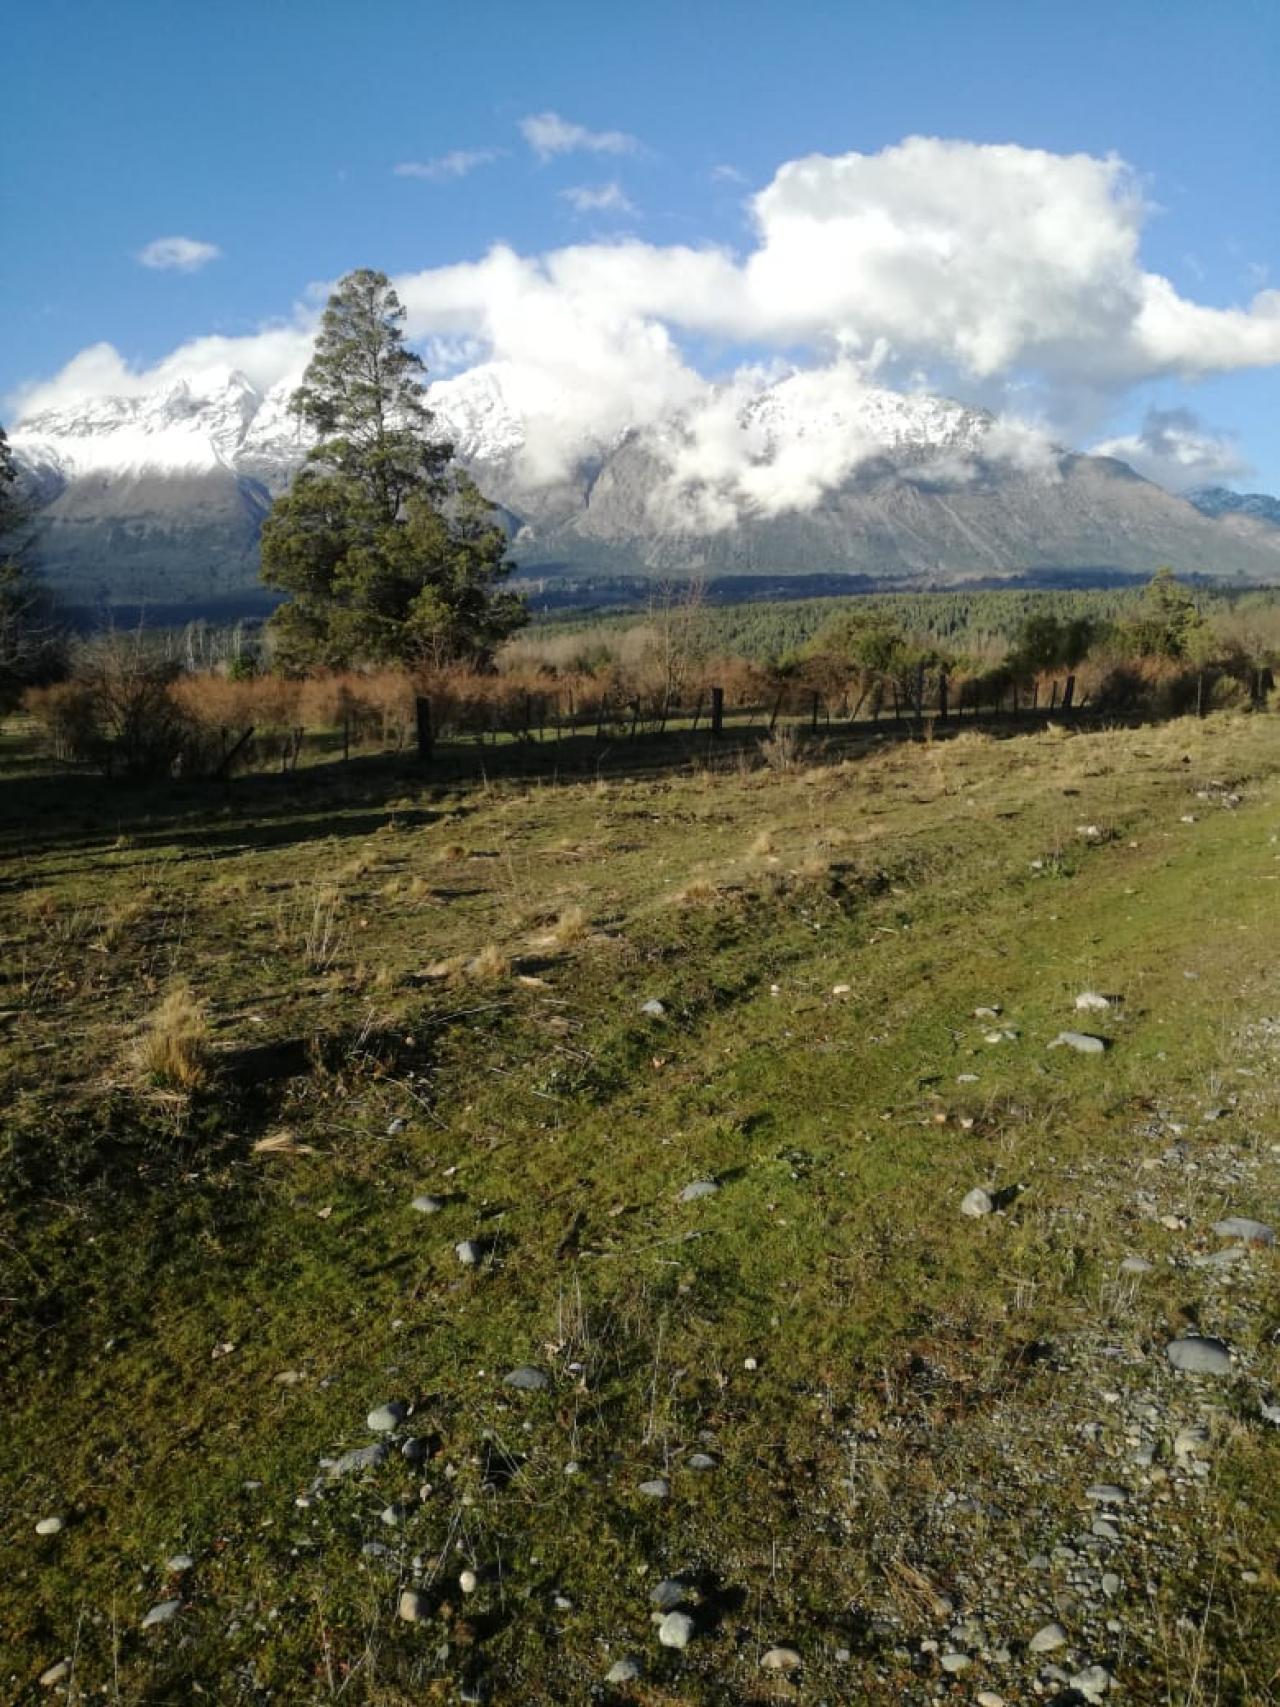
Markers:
<point>676,1630</point>
<point>413,1606</point>
<point>1111,1584</point>
<point>653,1009</point>
<point>992,1012</point>
<point>1106,1493</point>
<point>697,1189</point>
<point>527,1379</point>
<point>161,1613</point>
<point>360,1457</point>
<point>989,1698</point>
<point>384,1418</point>
<point>396,1127</point>
<point>976,1203</point>
<point>1198,1354</point>
<point>55,1674</point>
<point>657,1489</point>
<point>702,1461</point>
<point>394,1515</point>
<point>1091,1002</point>
<point>469,1252</point>
<point>1189,1441</point>
<point>413,1450</point>
<point>668,1594</point>
<point>1136,1265</point>
<point>1081,1041</point>
<point>625,1670</point>
<point>50,1526</point>
<point>1241,1227</point>
<point>425,1204</point>
<point>1047,1638</point>
<point>468,1582</point>
<point>1093,1682</point>
<point>1227,1257</point>
<point>178,1563</point>
<point>780,1659</point>
<point>955,1662</point>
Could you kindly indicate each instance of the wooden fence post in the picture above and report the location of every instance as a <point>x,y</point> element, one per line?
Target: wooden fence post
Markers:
<point>422,712</point>
<point>717,711</point>
<point>817,698</point>
<point>1200,694</point>
<point>942,697</point>
<point>1068,693</point>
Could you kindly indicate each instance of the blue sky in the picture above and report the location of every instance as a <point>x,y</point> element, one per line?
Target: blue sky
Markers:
<point>272,133</point>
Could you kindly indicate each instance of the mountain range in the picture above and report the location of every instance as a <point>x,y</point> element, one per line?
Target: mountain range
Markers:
<point>157,500</point>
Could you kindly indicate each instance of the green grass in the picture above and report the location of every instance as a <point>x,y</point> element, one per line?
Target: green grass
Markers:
<point>903,1352</point>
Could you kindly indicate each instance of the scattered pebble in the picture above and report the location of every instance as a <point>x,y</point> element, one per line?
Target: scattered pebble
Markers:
<point>425,1204</point>
<point>468,1582</point>
<point>468,1252</point>
<point>626,1670</point>
<point>1136,1265</point>
<point>676,1630</point>
<point>55,1674</point>
<point>699,1188</point>
<point>976,1203</point>
<point>701,1461</point>
<point>1093,1682</point>
<point>653,1008</point>
<point>413,1606</point>
<point>50,1526</point>
<point>1092,1002</point>
<point>1047,1638</point>
<point>361,1457</point>
<point>179,1563</point>
<point>396,1127</point>
<point>659,1488</point>
<point>780,1659</point>
<point>1199,1355</point>
<point>527,1379</point>
<point>1081,1041</point>
<point>668,1594</point>
<point>955,1662</point>
<point>161,1613</point>
<point>384,1418</point>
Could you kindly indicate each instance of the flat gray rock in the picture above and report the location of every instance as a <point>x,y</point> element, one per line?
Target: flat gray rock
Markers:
<point>676,1630</point>
<point>178,1563</point>
<point>413,1606</point>
<point>780,1659</point>
<point>668,1594</point>
<point>702,1461</point>
<point>360,1458</point>
<point>383,1418</point>
<point>527,1379</point>
<point>955,1662</point>
<point>468,1252</point>
<point>161,1613</point>
<point>1136,1265</point>
<point>1092,1002</point>
<point>657,1489</point>
<point>1083,1042</point>
<point>1106,1493</point>
<point>1198,1354</point>
<point>699,1188</point>
<point>626,1670</point>
<point>1047,1638</point>
<point>976,1203</point>
<point>425,1204</point>
<point>1241,1227</point>
<point>653,1009</point>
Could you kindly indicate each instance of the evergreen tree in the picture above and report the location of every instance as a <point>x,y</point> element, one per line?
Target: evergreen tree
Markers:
<point>387,550</point>
<point>32,641</point>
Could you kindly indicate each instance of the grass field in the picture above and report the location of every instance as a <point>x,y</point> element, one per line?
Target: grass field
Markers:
<point>243,1029</point>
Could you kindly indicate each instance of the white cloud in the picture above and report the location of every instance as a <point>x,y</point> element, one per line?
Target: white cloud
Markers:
<point>548,134</point>
<point>1176,450</point>
<point>456,164</point>
<point>727,175</point>
<point>1003,275</point>
<point>598,198</point>
<point>178,254</point>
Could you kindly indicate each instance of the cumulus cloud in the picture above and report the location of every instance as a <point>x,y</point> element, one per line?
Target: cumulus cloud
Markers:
<point>548,135</point>
<point>598,198</point>
<point>998,274</point>
<point>178,254</point>
<point>1176,450</point>
<point>458,163</point>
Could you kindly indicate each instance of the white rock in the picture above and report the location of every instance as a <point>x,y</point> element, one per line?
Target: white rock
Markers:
<point>1081,1041</point>
<point>162,1613</point>
<point>55,1674</point>
<point>698,1188</point>
<point>653,1008</point>
<point>1093,1682</point>
<point>468,1582</point>
<point>780,1659</point>
<point>676,1630</point>
<point>413,1607</point>
<point>976,1203</point>
<point>625,1670</point>
<point>1047,1638</point>
<point>425,1204</point>
<point>50,1526</point>
<point>1091,1001</point>
<point>1198,1354</point>
<point>468,1252</point>
<point>384,1418</point>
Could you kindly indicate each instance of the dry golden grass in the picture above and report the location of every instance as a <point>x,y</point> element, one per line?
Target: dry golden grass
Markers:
<point>174,1051</point>
<point>489,966</point>
<point>573,926</point>
<point>698,892</point>
<point>40,906</point>
<point>762,844</point>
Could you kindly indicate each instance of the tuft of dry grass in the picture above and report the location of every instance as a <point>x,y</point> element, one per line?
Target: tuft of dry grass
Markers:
<point>174,1051</point>
<point>762,845</point>
<point>490,965</point>
<point>452,852</point>
<point>698,892</point>
<point>573,926</point>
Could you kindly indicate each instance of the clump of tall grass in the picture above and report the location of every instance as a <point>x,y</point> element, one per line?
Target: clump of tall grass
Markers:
<point>174,1050</point>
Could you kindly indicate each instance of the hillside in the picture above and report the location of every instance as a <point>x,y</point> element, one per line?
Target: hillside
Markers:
<point>570,1228</point>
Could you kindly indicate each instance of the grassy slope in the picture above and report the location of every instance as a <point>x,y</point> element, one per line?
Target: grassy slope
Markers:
<point>905,1354</point>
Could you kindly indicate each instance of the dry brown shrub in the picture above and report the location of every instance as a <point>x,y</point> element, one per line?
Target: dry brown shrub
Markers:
<point>174,1052</point>
<point>489,966</point>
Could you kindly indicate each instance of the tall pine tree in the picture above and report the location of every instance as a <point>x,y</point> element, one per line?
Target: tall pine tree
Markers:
<point>387,550</point>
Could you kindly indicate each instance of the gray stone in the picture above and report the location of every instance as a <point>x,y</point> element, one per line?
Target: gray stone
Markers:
<point>396,1126</point>
<point>50,1526</point>
<point>1092,1001</point>
<point>1189,1441</point>
<point>383,1418</point>
<point>1111,1584</point>
<point>413,1450</point>
<point>469,1252</point>
<point>1136,1265</point>
<point>702,1461</point>
<point>527,1379</point>
<point>425,1204</point>
<point>1047,1638</point>
<point>676,1630</point>
<point>955,1662</point>
<point>653,1009</point>
<point>657,1489</point>
<point>161,1613</point>
<point>1081,1041</point>
<point>1241,1227</point>
<point>780,1659</point>
<point>1093,1682</point>
<point>178,1563</point>
<point>697,1189</point>
<point>976,1203</point>
<point>1227,1257</point>
<point>626,1670</point>
<point>668,1594</point>
<point>55,1674</point>
<point>1198,1354</point>
<point>413,1606</point>
<point>360,1458</point>
<point>1106,1493</point>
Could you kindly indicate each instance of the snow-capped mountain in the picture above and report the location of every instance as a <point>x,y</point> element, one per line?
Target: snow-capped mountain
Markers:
<point>158,498</point>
